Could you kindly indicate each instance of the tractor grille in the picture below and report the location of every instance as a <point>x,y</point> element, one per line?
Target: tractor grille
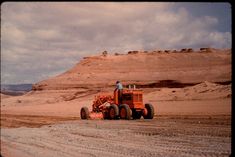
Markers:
<point>138,98</point>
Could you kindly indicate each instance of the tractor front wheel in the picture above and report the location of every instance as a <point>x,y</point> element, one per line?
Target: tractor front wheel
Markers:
<point>125,111</point>
<point>113,111</point>
<point>84,113</point>
<point>150,111</point>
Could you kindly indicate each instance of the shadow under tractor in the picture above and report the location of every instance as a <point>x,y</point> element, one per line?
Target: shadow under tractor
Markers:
<point>126,106</point>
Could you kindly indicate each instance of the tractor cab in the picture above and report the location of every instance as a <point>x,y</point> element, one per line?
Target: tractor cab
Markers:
<point>131,96</point>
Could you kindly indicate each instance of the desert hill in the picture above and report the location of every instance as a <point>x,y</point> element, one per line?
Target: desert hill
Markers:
<point>146,69</point>
<point>15,89</point>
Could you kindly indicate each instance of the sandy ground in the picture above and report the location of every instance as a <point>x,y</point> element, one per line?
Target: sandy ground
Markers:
<point>162,136</point>
<point>190,121</point>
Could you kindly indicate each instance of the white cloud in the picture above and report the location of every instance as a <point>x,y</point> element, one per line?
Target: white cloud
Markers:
<point>48,34</point>
<point>59,34</point>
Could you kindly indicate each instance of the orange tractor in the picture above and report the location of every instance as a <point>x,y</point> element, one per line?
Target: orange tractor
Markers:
<point>130,104</point>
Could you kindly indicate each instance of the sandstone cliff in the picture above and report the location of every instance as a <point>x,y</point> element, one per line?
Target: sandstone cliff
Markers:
<point>145,68</point>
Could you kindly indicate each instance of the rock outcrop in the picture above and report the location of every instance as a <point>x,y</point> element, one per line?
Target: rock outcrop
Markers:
<point>144,68</point>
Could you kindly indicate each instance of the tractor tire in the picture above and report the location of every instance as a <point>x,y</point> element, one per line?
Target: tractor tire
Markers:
<point>125,111</point>
<point>150,110</point>
<point>106,115</point>
<point>84,113</point>
<point>113,111</point>
<point>136,114</point>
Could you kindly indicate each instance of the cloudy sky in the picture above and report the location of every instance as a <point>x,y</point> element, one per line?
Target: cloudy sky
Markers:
<point>43,39</point>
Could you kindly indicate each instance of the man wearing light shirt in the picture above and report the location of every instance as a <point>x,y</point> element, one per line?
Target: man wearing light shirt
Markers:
<point>119,88</point>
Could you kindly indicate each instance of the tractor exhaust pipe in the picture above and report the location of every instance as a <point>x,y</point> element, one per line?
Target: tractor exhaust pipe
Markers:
<point>129,87</point>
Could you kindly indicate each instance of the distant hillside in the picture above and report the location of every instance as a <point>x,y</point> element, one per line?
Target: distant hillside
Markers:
<point>146,69</point>
<point>15,89</point>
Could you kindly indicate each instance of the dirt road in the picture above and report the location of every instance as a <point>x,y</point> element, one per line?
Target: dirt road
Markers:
<point>163,136</point>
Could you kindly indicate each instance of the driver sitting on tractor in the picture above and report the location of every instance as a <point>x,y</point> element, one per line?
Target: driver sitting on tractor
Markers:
<point>119,88</point>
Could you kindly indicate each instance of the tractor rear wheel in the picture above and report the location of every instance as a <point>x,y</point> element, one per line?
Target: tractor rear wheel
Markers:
<point>125,111</point>
<point>84,113</point>
<point>113,111</point>
<point>150,110</point>
<point>136,114</point>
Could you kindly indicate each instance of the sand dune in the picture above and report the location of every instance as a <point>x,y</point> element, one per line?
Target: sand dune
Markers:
<point>3,96</point>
